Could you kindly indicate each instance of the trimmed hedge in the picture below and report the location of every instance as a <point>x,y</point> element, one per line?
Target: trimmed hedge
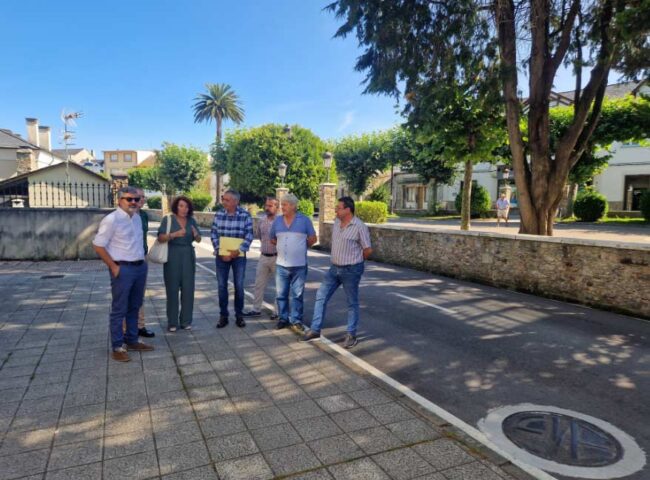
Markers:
<point>480,203</point>
<point>306,207</point>
<point>371,212</point>
<point>590,206</point>
<point>155,202</point>
<point>200,200</point>
<point>644,205</point>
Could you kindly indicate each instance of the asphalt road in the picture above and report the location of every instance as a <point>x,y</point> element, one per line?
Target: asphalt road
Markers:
<point>470,348</point>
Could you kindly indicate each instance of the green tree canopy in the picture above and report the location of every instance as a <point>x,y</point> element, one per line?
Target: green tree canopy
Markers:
<point>252,157</point>
<point>180,167</point>
<point>361,157</point>
<point>147,178</point>
<point>411,44</point>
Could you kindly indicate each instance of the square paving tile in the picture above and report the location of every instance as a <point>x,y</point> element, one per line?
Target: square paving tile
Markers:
<point>412,431</point>
<point>337,403</point>
<point>362,469</point>
<point>19,442</point>
<point>178,434</point>
<point>175,398</point>
<point>171,415</point>
<point>321,474</point>
<point>389,413</point>
<point>212,408</point>
<point>375,440</point>
<point>301,410</point>
<point>222,425</point>
<point>23,464</point>
<point>201,380</point>
<point>84,472</point>
<point>403,464</point>
<point>288,460</point>
<point>200,394</point>
<point>317,427</point>
<point>276,436</point>
<point>247,468</point>
<point>232,446</point>
<point>182,457</point>
<point>371,396</point>
<point>351,420</point>
<point>75,454</point>
<point>443,454</point>
<point>335,449</point>
<point>134,467</point>
<point>128,444</point>
<point>263,418</point>
<point>470,471</point>
<point>200,473</point>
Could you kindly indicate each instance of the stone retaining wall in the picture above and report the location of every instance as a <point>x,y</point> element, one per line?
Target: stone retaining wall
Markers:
<point>49,233</point>
<point>604,274</point>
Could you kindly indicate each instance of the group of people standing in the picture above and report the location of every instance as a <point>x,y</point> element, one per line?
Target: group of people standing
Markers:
<point>285,239</point>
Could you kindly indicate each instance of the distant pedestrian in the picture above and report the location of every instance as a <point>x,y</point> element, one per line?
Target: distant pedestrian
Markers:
<point>180,269</point>
<point>232,226</point>
<point>119,244</point>
<point>503,208</point>
<point>350,248</point>
<point>292,233</point>
<point>268,255</point>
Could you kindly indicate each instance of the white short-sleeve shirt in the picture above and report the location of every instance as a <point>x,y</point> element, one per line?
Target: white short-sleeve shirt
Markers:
<point>121,235</point>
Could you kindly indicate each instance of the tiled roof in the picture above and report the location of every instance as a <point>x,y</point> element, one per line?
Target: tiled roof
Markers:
<point>8,139</point>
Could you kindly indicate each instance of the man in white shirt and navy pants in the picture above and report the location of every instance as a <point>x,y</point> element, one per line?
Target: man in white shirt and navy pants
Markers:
<point>119,244</point>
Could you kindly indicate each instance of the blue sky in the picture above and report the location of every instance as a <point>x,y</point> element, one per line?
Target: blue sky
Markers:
<point>134,67</point>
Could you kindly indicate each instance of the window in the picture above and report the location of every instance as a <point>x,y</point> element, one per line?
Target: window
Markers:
<point>412,194</point>
<point>128,157</point>
<point>113,157</point>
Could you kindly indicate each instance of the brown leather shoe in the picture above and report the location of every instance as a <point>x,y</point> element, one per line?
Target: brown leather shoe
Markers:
<point>120,355</point>
<point>139,347</point>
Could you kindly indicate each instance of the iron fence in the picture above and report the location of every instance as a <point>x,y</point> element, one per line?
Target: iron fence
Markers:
<point>57,195</point>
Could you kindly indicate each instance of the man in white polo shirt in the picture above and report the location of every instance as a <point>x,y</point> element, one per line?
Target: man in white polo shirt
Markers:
<point>350,248</point>
<point>119,243</point>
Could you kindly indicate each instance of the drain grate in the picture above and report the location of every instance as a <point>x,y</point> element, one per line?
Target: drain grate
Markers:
<point>49,277</point>
<point>562,438</point>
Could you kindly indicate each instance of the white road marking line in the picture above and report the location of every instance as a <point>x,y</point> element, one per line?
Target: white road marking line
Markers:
<point>415,300</point>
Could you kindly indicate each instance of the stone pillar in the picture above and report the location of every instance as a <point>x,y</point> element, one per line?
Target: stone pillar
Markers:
<point>327,202</point>
<point>25,161</point>
<point>629,199</point>
<point>281,192</point>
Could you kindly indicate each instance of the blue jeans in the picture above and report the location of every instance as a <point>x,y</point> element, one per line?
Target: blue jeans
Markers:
<point>348,276</point>
<point>128,294</point>
<point>290,280</point>
<point>238,266</point>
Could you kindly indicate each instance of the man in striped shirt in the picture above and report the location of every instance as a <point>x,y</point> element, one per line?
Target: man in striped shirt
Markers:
<point>350,248</point>
<point>232,222</point>
<point>268,254</point>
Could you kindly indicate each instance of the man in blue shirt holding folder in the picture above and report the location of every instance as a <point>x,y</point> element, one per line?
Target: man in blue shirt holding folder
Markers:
<point>233,222</point>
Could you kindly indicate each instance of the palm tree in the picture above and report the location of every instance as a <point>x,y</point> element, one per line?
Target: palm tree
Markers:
<point>219,104</point>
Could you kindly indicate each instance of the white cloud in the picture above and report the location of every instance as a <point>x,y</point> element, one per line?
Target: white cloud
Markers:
<point>348,118</point>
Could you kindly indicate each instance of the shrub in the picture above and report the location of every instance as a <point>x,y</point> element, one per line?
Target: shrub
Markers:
<point>644,205</point>
<point>380,194</point>
<point>252,208</point>
<point>216,207</point>
<point>306,207</point>
<point>200,200</point>
<point>480,203</point>
<point>371,212</point>
<point>155,202</point>
<point>590,206</point>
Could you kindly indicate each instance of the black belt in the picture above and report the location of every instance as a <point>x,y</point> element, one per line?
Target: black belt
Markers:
<point>270,254</point>
<point>124,262</point>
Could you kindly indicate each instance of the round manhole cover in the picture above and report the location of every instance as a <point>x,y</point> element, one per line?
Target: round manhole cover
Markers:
<point>562,438</point>
<point>563,441</point>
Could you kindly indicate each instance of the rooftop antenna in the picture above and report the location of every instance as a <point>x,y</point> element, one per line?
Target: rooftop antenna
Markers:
<point>68,118</point>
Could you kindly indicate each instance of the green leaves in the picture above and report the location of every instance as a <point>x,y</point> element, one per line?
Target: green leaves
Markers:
<point>252,157</point>
<point>180,167</point>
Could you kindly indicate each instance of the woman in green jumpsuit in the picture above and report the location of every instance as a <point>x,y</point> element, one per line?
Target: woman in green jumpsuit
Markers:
<point>180,269</point>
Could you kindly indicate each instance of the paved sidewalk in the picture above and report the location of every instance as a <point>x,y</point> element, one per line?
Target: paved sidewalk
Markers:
<point>230,404</point>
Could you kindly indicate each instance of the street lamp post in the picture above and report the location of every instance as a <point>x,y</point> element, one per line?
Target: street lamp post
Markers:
<point>282,171</point>
<point>327,163</point>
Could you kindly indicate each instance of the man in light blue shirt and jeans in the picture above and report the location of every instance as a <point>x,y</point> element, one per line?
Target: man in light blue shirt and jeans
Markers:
<point>292,233</point>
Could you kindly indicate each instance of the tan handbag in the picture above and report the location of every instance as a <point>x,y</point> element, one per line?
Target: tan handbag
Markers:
<point>159,251</point>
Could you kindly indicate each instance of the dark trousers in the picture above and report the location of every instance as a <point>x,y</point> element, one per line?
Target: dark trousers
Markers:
<point>238,266</point>
<point>128,295</point>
